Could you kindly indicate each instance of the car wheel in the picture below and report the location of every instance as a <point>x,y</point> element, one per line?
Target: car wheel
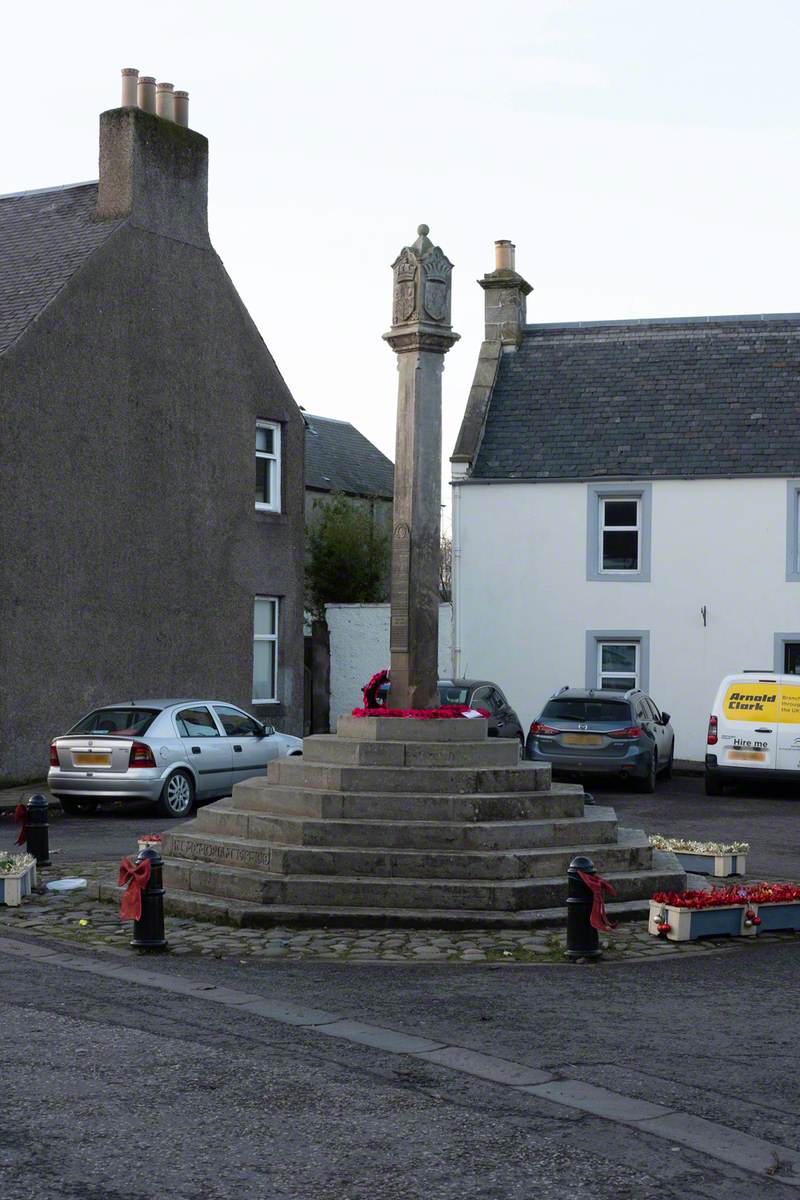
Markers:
<point>177,795</point>
<point>713,785</point>
<point>78,808</point>
<point>648,784</point>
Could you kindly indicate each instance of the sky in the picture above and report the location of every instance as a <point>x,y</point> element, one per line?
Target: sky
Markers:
<point>642,157</point>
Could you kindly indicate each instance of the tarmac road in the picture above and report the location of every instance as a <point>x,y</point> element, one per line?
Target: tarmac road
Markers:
<point>118,1090</point>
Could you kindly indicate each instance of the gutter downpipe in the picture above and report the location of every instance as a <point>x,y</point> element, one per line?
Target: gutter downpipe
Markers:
<point>458,471</point>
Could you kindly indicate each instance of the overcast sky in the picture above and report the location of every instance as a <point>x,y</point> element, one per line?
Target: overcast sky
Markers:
<point>643,158</point>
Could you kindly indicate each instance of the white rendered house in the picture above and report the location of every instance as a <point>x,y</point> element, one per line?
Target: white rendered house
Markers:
<point>626,505</point>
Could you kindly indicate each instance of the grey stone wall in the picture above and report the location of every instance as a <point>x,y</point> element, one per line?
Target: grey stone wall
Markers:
<point>131,547</point>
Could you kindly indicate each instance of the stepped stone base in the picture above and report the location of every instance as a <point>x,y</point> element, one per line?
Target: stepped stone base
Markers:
<point>407,823</point>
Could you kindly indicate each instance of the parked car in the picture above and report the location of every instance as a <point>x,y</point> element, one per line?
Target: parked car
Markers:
<point>754,730</point>
<point>478,693</point>
<point>171,752</point>
<point>482,693</point>
<point>604,732</point>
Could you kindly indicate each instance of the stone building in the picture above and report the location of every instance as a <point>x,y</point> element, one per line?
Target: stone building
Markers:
<point>151,469</point>
<point>626,505</point>
<point>341,461</point>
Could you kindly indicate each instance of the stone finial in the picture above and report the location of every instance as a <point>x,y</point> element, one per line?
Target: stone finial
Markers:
<point>421,284</point>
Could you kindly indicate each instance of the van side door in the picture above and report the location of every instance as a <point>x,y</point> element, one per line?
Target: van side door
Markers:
<point>788,758</point>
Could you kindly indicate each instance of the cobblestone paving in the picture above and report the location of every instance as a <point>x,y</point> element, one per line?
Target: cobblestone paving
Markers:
<point>79,917</point>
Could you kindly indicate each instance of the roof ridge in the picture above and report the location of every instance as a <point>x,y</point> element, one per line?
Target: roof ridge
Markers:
<point>59,187</point>
<point>637,322</point>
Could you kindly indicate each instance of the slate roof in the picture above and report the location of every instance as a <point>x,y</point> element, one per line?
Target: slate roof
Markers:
<point>340,459</point>
<point>45,236</point>
<point>646,399</point>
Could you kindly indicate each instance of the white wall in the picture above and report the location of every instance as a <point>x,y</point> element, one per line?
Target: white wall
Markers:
<point>523,604</point>
<point>360,647</point>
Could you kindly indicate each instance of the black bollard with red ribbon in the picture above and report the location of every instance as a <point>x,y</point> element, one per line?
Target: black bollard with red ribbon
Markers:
<point>586,910</point>
<point>143,901</point>
<point>34,833</point>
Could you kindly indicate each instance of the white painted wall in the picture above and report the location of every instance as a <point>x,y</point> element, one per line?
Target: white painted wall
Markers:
<point>360,647</point>
<point>523,604</point>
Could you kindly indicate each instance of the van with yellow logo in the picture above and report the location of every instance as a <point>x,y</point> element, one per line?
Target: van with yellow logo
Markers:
<point>754,730</point>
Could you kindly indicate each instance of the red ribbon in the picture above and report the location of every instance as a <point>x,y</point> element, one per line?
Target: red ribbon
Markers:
<point>21,817</point>
<point>137,877</point>
<point>596,885</point>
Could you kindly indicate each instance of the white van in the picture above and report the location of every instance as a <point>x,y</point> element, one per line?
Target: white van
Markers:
<point>754,730</point>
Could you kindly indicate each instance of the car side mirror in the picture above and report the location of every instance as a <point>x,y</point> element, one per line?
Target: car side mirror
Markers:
<point>268,729</point>
<point>665,718</point>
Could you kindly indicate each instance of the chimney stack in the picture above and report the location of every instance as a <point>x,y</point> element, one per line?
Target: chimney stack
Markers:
<point>181,109</point>
<point>147,93</point>
<point>165,101</point>
<point>130,78</point>
<point>153,168</point>
<point>505,291</point>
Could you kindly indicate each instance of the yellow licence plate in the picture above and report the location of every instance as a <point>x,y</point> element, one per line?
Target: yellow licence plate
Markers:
<point>582,739</point>
<point>91,760</point>
<point>748,755</point>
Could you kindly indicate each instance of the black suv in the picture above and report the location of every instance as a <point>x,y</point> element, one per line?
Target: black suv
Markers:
<point>604,732</point>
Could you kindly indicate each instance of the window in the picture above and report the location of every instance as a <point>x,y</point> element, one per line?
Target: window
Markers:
<point>236,723</point>
<point>196,723</point>
<point>587,710</point>
<point>787,654</point>
<point>618,665</point>
<point>618,659</point>
<point>265,650</point>
<point>268,466</point>
<point>793,531</point>
<point>120,722</point>
<point>618,532</point>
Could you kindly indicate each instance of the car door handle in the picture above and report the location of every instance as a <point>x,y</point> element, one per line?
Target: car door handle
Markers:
<point>764,731</point>
<point>196,750</point>
<point>238,749</point>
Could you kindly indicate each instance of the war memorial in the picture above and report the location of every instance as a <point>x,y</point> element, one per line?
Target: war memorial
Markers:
<point>407,820</point>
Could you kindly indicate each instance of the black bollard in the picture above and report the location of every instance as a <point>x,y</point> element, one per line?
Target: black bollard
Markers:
<point>582,938</point>
<point>148,931</point>
<point>37,839</point>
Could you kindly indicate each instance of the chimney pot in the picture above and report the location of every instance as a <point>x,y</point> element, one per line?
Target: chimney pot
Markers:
<point>165,101</point>
<point>130,76</point>
<point>147,93</point>
<point>504,255</point>
<point>181,108</point>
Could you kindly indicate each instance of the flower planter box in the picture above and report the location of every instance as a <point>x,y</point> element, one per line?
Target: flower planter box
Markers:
<point>719,865</point>
<point>16,884</point>
<point>738,920</point>
<point>689,923</point>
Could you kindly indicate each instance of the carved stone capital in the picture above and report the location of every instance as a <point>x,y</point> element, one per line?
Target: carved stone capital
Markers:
<point>406,338</point>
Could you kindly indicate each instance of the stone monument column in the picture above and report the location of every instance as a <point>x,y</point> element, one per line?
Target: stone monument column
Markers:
<point>420,336</point>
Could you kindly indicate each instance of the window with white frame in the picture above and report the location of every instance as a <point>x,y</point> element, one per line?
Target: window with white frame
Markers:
<point>265,650</point>
<point>620,531</point>
<point>618,665</point>
<point>268,466</point>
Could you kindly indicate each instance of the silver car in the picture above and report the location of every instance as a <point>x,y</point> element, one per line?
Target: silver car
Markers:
<point>171,752</point>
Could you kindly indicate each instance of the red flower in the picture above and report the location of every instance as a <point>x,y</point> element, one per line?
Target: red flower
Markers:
<point>755,893</point>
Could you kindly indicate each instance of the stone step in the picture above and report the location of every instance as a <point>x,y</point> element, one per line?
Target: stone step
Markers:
<point>321,893</point>
<point>597,826</point>
<point>406,729</point>
<point>329,749</point>
<point>524,777</point>
<point>244,915</point>
<point>631,852</point>
<point>257,795</point>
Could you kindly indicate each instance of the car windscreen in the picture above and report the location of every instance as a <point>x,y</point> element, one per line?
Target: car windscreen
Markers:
<point>587,710</point>
<point>118,722</point>
<point>452,694</point>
